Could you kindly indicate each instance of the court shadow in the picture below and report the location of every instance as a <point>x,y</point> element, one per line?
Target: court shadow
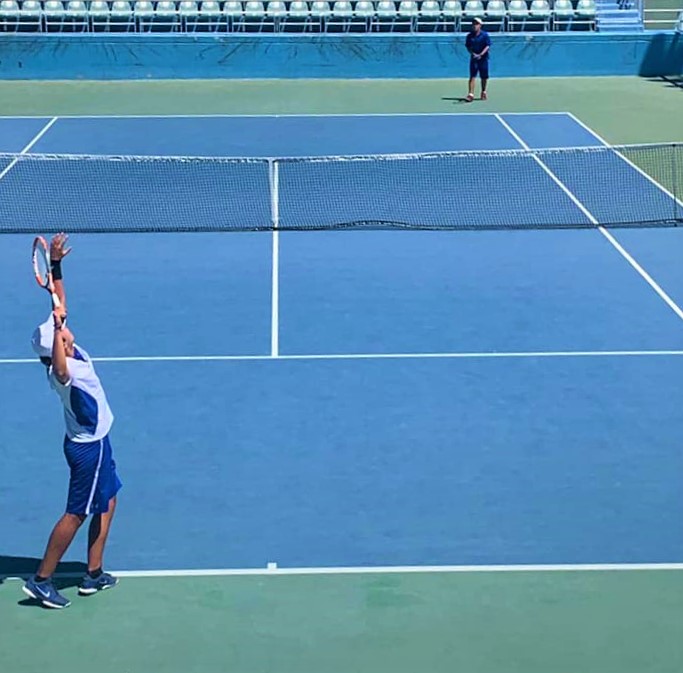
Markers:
<point>68,573</point>
<point>672,82</point>
<point>457,100</point>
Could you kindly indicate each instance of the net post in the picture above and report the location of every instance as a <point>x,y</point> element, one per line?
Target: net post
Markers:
<point>677,200</point>
<point>274,182</point>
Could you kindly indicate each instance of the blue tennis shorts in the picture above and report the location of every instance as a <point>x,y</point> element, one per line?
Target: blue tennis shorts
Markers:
<point>93,481</point>
<point>479,67</point>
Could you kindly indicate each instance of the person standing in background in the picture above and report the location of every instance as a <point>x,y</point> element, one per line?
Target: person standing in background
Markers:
<point>478,44</point>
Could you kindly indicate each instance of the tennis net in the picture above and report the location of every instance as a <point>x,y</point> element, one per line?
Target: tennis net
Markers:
<point>636,185</point>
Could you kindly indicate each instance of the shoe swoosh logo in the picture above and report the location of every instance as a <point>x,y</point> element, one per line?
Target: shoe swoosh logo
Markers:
<point>42,592</point>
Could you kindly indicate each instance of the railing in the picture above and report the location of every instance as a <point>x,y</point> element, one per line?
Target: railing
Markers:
<point>661,19</point>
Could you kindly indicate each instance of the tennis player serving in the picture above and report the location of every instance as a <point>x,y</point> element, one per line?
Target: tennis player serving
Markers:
<point>93,483</point>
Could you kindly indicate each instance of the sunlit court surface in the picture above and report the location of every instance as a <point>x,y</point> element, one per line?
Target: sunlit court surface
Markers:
<point>448,439</point>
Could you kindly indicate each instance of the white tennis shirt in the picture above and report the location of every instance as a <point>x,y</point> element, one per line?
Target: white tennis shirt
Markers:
<point>87,413</point>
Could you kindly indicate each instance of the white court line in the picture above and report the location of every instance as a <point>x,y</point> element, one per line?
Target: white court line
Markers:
<point>278,116</point>
<point>275,298</point>
<point>274,183</point>
<point>272,569</point>
<point>613,241</point>
<point>33,141</point>
<point>635,167</point>
<point>370,356</point>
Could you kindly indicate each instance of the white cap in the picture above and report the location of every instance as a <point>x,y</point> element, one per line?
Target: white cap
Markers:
<point>476,19</point>
<point>42,339</point>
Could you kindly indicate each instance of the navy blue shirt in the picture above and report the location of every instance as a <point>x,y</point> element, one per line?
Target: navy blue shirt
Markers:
<point>477,43</point>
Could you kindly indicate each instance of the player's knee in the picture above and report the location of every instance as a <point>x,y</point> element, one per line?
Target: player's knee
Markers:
<point>75,519</point>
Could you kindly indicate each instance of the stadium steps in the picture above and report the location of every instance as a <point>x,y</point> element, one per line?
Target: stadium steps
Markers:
<point>618,17</point>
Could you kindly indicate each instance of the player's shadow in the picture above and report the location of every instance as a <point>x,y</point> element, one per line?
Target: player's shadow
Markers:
<point>456,100</point>
<point>68,573</point>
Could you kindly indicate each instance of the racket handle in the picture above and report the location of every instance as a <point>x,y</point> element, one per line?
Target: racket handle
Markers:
<point>55,300</point>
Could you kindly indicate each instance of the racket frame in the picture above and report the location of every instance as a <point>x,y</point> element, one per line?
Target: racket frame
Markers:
<point>40,247</point>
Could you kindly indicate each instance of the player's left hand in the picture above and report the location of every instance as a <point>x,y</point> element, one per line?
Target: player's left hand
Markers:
<point>59,318</point>
<point>58,249</point>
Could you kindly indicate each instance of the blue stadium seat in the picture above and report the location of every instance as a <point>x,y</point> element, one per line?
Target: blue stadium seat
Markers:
<point>9,16</point>
<point>254,16</point>
<point>320,15</point>
<point>298,16</point>
<point>342,15</point>
<point>385,15</point>
<point>518,13</point>
<point>188,14</point>
<point>233,13</point>
<point>53,15</point>
<point>429,16</point>
<point>276,15</point>
<point>210,16</point>
<point>166,16</point>
<point>143,15</point>
<point>76,16</point>
<point>363,16</point>
<point>584,17</point>
<point>563,14</point>
<point>495,14</point>
<point>471,9</point>
<point>120,16</point>
<point>31,16</point>
<point>539,15</point>
<point>98,15</point>
<point>406,16</point>
<point>452,14</point>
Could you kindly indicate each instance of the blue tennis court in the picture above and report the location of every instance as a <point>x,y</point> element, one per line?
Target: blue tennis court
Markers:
<point>359,397</point>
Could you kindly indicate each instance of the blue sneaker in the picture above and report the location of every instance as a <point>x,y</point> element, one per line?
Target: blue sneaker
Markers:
<point>92,586</point>
<point>46,593</point>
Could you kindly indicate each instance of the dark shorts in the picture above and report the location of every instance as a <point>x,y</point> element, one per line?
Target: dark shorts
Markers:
<point>93,481</point>
<point>479,67</point>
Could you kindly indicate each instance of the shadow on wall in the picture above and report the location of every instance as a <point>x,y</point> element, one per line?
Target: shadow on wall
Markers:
<point>664,56</point>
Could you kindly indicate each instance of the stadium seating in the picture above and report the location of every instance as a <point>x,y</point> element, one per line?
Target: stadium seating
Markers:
<point>539,15</point>
<point>276,15</point>
<point>495,15</point>
<point>310,16</point>
<point>585,14</point>
<point>9,15</point>
<point>563,14</point>
<point>429,15</point>
<point>76,16</point>
<point>452,15</point>
<point>320,15</point>
<point>210,17</point>
<point>341,17</point>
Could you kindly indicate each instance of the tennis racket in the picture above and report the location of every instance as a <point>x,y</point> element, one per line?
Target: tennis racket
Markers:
<point>42,269</point>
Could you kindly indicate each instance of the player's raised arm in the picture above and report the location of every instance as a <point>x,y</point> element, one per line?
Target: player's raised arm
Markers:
<point>59,364</point>
<point>58,251</point>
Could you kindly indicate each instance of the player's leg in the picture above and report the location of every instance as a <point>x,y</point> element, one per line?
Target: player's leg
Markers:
<point>60,539</point>
<point>97,537</point>
<point>84,460</point>
<point>473,79</point>
<point>484,75</point>
<point>103,507</point>
<point>40,586</point>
